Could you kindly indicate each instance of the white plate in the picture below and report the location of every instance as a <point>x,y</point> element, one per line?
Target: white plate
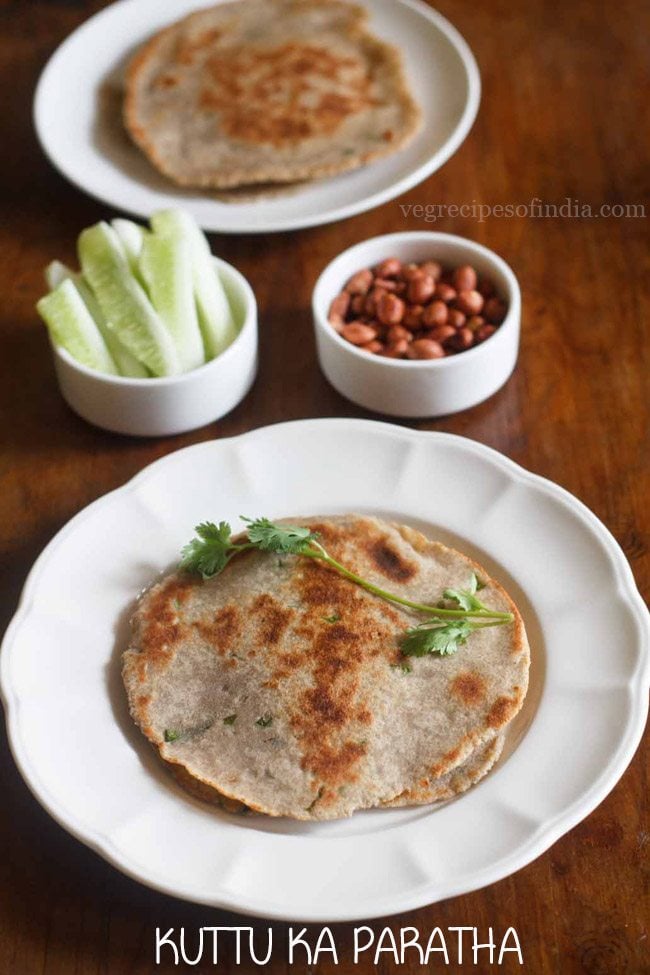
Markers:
<point>88,145</point>
<point>92,770</point>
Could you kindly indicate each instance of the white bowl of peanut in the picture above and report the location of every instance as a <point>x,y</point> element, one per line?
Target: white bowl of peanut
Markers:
<point>417,324</point>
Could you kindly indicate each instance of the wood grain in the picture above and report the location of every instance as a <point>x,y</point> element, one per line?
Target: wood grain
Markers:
<point>564,115</point>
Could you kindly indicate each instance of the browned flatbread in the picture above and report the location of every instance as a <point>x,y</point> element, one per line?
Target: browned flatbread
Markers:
<point>282,684</point>
<point>267,91</point>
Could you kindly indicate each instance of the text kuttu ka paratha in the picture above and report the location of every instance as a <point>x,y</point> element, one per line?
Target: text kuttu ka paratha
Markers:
<point>281,685</point>
<point>267,91</point>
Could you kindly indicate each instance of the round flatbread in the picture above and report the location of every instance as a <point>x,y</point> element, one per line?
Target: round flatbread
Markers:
<point>267,91</point>
<point>283,686</point>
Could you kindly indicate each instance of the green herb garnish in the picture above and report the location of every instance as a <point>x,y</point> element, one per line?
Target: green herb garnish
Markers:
<point>212,549</point>
<point>334,618</point>
<point>439,636</point>
<point>171,735</point>
<point>230,719</point>
<point>265,720</point>
<point>404,668</point>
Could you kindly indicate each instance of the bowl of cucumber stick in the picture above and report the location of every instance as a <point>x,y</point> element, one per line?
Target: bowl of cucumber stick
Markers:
<point>153,336</point>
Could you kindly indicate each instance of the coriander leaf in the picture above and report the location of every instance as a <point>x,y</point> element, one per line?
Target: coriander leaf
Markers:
<point>171,735</point>
<point>442,638</point>
<point>466,598</point>
<point>269,537</point>
<point>209,552</point>
<point>334,618</point>
<point>404,668</point>
<point>230,719</point>
<point>265,720</point>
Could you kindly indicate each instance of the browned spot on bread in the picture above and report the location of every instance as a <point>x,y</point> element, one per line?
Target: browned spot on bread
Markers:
<point>222,632</point>
<point>272,618</point>
<point>501,712</point>
<point>469,687</point>
<point>161,628</point>
<point>389,562</point>
<point>283,94</point>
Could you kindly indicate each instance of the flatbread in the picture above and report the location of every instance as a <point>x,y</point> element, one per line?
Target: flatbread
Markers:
<point>267,91</point>
<point>282,684</point>
<point>442,789</point>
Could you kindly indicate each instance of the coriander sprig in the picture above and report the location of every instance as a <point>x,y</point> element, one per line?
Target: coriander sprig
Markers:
<point>444,630</point>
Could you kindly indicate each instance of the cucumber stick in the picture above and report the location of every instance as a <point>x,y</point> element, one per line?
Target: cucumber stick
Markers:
<point>124,302</point>
<point>132,237</point>
<point>215,315</point>
<point>166,269</point>
<point>127,364</point>
<point>73,328</point>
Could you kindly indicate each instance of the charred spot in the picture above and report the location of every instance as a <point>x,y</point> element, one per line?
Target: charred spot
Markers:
<point>222,631</point>
<point>469,687</point>
<point>320,701</point>
<point>389,562</point>
<point>271,617</point>
<point>503,709</point>
<point>162,628</point>
<point>335,763</point>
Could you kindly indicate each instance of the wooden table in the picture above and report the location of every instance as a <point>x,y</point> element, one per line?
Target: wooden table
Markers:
<point>564,115</point>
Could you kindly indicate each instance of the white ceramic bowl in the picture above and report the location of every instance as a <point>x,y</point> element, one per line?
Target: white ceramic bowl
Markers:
<point>173,404</point>
<point>417,388</point>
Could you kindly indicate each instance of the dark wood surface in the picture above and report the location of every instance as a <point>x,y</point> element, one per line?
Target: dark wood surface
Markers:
<point>564,114</point>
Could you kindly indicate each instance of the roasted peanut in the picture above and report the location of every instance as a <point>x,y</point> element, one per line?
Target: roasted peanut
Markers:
<point>435,314</point>
<point>374,347</point>
<point>396,333</point>
<point>494,310</point>
<point>413,316</point>
<point>432,268</point>
<point>420,288</point>
<point>464,278</point>
<point>463,339</point>
<point>441,334</point>
<point>358,333</point>
<point>360,283</point>
<point>390,309</point>
<point>417,311</point>
<point>425,349</point>
<point>397,349</point>
<point>390,268</point>
<point>470,302</point>
<point>484,332</point>
<point>456,318</point>
<point>340,305</point>
<point>475,322</point>
<point>386,284</point>
<point>445,292</point>
<point>486,287</point>
<point>408,270</point>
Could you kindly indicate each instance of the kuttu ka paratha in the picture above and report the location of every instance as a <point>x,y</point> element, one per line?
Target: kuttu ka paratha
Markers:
<point>262,91</point>
<point>282,685</point>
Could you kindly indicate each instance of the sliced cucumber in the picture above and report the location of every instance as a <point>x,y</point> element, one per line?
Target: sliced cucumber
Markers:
<point>72,326</point>
<point>167,272</point>
<point>132,237</point>
<point>123,301</point>
<point>127,364</point>
<point>215,315</point>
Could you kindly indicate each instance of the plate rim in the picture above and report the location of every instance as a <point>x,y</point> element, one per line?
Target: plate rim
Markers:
<point>425,894</point>
<point>362,205</point>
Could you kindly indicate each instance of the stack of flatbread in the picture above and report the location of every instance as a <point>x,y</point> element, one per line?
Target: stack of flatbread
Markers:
<point>267,91</point>
<point>279,686</point>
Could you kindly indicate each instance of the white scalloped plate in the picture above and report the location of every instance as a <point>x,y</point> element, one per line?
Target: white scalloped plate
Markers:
<point>92,770</point>
<point>81,133</point>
